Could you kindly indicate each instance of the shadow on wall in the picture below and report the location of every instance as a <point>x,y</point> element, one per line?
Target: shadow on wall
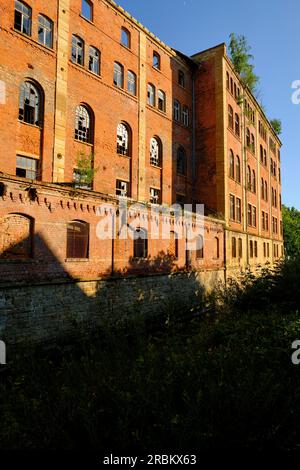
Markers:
<point>57,305</point>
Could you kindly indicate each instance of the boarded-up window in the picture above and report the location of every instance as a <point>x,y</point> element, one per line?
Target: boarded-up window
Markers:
<point>16,233</point>
<point>77,240</point>
<point>140,243</point>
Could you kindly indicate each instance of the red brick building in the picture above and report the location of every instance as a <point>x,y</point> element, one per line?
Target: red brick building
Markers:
<point>83,80</point>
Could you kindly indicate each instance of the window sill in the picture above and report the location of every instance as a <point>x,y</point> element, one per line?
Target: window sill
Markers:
<point>156,166</point>
<point>84,143</point>
<point>126,47</point>
<point>77,260</point>
<point>86,19</point>
<point>124,156</point>
<point>30,125</point>
<point>30,39</point>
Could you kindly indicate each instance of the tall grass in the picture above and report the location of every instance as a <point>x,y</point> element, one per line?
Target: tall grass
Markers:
<point>223,380</point>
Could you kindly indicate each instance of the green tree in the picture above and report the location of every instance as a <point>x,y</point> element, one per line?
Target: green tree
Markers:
<point>291,228</point>
<point>277,126</point>
<point>239,54</point>
<point>84,170</point>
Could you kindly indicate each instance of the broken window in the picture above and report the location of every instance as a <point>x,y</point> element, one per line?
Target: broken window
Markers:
<point>83,131</point>
<point>77,50</point>
<point>45,31</point>
<point>122,139</point>
<point>161,100</point>
<point>155,152</point>
<point>154,196</point>
<point>22,18</point>
<point>94,60</point>
<point>30,103</point>
<point>122,188</point>
<point>151,94</point>
<point>27,167</point>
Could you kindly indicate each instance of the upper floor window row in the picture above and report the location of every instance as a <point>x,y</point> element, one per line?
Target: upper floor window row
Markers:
<point>262,131</point>
<point>78,55</point>
<point>249,111</point>
<point>232,87</point>
<point>234,167</point>
<point>151,98</point>
<point>250,140</point>
<point>23,24</point>
<point>234,121</point>
<point>87,10</point>
<point>119,79</point>
<point>156,63</point>
<point>181,113</point>
<point>263,155</point>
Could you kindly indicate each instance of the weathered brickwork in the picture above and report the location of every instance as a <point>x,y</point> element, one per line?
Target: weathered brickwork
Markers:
<point>187,112</point>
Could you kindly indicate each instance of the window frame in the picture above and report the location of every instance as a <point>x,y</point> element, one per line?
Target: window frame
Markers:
<point>44,27</point>
<point>24,5</point>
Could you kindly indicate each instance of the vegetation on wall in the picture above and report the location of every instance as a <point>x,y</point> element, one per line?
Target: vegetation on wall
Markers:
<point>241,59</point>
<point>277,126</point>
<point>291,229</point>
<point>85,171</point>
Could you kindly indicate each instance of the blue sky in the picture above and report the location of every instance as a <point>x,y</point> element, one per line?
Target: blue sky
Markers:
<point>272,28</point>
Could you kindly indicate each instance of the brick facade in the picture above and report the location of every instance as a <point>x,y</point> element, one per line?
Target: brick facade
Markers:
<point>199,84</point>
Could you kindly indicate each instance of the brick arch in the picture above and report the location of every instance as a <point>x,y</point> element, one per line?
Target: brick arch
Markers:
<point>16,236</point>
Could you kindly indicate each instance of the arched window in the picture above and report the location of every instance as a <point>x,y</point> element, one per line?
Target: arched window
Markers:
<point>77,239</point>
<point>185,116</point>
<point>181,161</point>
<point>155,152</point>
<point>238,169</point>
<point>140,243</point>
<point>231,164</point>
<point>22,21</point>
<point>181,78</point>
<point>83,125</point>
<point>161,100</point>
<point>87,9</point>
<point>248,137</point>
<point>248,178</point>
<point>252,143</point>
<point>237,124</point>
<point>77,50</point>
<point>199,247</point>
<point>94,60</point>
<point>261,153</point>
<point>151,94</point>
<point>123,139</point>
<point>16,241</point>
<point>118,75</point>
<point>262,188</point>
<point>45,31</point>
<point>176,110</point>
<point>173,247</point>
<point>253,181</point>
<point>230,116</point>
<point>266,191</point>
<point>217,248</point>
<point>156,60</point>
<point>131,82</point>
<point>125,37</point>
<point>30,104</point>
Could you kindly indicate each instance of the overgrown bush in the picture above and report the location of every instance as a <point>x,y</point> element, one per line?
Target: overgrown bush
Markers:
<point>223,380</point>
